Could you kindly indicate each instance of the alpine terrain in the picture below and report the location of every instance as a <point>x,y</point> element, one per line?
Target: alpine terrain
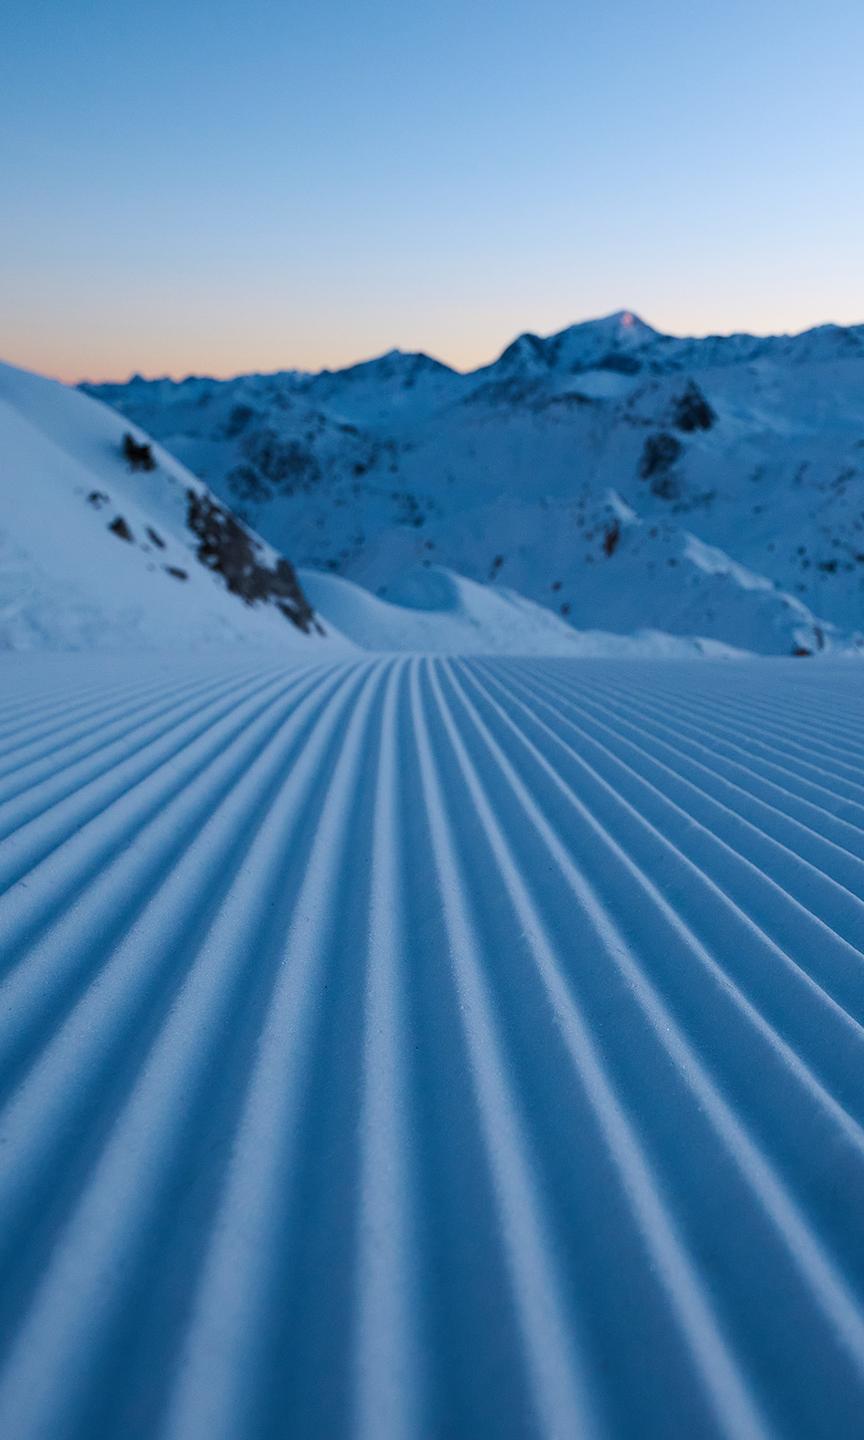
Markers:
<point>432,978</point>
<point>625,479</point>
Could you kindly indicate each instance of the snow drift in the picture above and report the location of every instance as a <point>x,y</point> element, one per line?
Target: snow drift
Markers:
<point>437,611</point>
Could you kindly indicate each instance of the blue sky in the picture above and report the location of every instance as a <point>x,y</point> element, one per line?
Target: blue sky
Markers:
<point>212,187</point>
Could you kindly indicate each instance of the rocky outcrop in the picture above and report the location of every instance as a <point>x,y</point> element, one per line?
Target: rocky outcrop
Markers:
<point>691,410</point>
<point>229,550</point>
<point>659,456</point>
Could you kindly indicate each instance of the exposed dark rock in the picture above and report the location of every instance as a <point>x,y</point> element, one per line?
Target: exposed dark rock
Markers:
<point>155,537</point>
<point>691,410</point>
<point>512,390</point>
<point>659,455</point>
<point>238,420</point>
<point>619,364</point>
<point>138,455</point>
<point>176,572</point>
<point>98,498</point>
<point>570,400</point>
<point>119,528</point>
<point>611,538</point>
<point>225,547</point>
<point>273,465</point>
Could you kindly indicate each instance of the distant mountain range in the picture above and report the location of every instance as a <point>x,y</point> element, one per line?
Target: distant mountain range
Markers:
<point>621,477</point>
<point>107,542</point>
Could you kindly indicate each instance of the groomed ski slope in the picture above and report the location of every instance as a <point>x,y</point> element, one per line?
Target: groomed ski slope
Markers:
<point>408,1047</point>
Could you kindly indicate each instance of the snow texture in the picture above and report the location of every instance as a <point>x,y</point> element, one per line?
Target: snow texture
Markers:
<point>410,1047</point>
<point>96,555</point>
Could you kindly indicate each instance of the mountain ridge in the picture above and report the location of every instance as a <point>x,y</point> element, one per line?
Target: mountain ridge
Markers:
<point>591,471</point>
<point>647,333</point>
<point>107,543</point>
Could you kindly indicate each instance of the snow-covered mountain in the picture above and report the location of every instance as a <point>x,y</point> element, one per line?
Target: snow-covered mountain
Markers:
<point>438,1043</point>
<point>624,478</point>
<point>106,541</point>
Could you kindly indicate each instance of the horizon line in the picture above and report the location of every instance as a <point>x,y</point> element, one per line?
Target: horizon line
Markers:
<point>179,377</point>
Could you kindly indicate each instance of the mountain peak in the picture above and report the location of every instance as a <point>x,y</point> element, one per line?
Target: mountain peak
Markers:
<point>622,327</point>
<point>579,346</point>
<point>391,365</point>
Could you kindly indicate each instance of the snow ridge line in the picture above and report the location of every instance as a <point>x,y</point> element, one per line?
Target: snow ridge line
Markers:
<point>691,758</point>
<point>174,1057</point>
<point>740,849</point>
<point>105,746</point>
<point>116,817</point>
<point>836,811</point>
<point>694,924</point>
<point>791,749</point>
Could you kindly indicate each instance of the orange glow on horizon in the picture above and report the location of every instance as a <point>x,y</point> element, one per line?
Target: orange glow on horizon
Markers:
<point>465,343</point>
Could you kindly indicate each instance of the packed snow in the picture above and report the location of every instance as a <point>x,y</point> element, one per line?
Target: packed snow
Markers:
<point>435,611</point>
<point>416,1046</point>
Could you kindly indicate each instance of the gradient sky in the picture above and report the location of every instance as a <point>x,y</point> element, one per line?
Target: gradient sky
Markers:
<point>191,185</point>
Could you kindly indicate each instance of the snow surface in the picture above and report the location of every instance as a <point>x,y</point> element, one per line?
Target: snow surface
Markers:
<point>67,581</point>
<point>410,1045</point>
<point>437,611</point>
<point>514,475</point>
<point>415,1047</point>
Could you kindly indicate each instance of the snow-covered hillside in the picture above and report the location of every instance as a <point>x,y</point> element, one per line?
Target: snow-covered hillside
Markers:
<point>624,478</point>
<point>95,553</point>
<point>435,611</point>
<point>107,541</point>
